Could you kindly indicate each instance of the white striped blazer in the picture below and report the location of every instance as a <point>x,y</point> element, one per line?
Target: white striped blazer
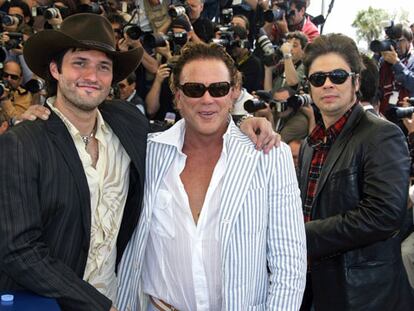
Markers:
<point>261,227</point>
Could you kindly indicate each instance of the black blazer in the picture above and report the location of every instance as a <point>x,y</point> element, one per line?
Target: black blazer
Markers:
<point>360,203</point>
<point>45,213</point>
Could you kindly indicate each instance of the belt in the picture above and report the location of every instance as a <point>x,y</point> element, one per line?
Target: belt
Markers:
<point>161,305</point>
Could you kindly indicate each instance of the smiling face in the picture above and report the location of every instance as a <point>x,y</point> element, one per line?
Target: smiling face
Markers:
<point>332,99</point>
<point>205,116</point>
<point>84,80</point>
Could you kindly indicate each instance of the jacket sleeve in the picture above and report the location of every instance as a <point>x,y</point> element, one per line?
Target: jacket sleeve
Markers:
<point>405,75</point>
<point>286,241</point>
<point>383,178</point>
<point>24,254</point>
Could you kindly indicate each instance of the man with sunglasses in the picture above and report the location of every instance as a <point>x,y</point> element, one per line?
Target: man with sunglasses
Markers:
<point>353,175</point>
<point>15,100</point>
<point>221,221</point>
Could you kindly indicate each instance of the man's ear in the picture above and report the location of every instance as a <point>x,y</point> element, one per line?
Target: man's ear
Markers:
<point>53,68</point>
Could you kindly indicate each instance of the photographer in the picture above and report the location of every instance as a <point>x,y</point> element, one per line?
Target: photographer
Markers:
<point>247,63</point>
<point>289,71</point>
<point>291,16</point>
<point>14,99</point>
<point>396,67</point>
<point>203,28</point>
<point>153,15</point>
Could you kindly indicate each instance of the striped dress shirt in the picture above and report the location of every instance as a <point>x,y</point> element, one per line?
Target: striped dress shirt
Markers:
<point>260,227</point>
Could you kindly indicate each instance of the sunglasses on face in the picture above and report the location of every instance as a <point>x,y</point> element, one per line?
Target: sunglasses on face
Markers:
<point>12,76</point>
<point>121,85</point>
<point>337,76</point>
<point>197,90</point>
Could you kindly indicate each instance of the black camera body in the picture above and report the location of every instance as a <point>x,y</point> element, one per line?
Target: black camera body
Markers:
<point>295,102</point>
<point>277,14</point>
<point>393,33</point>
<point>176,40</point>
<point>16,38</point>
<point>133,32</point>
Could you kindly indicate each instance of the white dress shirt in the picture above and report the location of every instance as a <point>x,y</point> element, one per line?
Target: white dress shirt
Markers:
<point>182,264</point>
<point>108,184</point>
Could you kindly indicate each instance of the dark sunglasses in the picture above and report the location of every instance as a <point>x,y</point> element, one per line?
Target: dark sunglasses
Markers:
<point>12,76</point>
<point>337,76</point>
<point>121,85</point>
<point>197,90</point>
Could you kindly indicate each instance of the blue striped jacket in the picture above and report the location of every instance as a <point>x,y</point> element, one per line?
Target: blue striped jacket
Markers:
<point>261,227</point>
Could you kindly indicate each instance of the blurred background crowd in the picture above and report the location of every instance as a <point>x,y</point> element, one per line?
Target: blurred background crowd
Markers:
<point>266,38</point>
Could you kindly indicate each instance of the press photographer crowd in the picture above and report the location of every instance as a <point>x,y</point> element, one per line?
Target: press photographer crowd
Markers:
<point>204,155</point>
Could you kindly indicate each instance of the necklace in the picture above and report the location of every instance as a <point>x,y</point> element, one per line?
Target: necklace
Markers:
<point>87,138</point>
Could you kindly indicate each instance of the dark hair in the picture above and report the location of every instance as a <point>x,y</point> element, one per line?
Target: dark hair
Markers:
<point>240,32</point>
<point>198,51</point>
<point>407,33</point>
<point>300,36</point>
<point>116,18</point>
<point>288,89</point>
<point>333,43</point>
<point>51,83</point>
<point>23,6</point>
<point>369,79</point>
<point>299,4</point>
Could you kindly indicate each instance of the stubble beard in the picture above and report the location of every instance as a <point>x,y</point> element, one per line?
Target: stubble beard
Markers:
<point>72,97</point>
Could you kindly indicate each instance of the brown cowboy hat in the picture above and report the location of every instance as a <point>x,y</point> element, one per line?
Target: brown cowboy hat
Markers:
<point>84,30</point>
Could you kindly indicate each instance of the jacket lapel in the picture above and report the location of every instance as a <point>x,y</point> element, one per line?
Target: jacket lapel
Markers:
<point>339,145</point>
<point>242,161</point>
<point>66,147</point>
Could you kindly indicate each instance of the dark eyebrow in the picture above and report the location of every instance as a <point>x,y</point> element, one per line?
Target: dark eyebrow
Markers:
<point>106,62</point>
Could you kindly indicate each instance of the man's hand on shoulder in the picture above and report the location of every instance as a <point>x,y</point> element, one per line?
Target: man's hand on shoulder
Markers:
<point>260,131</point>
<point>34,112</point>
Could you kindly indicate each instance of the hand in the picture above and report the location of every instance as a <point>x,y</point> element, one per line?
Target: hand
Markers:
<point>34,112</point>
<point>162,73</point>
<point>260,131</point>
<point>113,309</point>
<point>286,48</point>
<point>390,57</point>
<point>282,25</point>
<point>56,21</point>
<point>164,50</point>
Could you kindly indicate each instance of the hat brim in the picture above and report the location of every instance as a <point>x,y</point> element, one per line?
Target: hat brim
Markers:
<point>40,49</point>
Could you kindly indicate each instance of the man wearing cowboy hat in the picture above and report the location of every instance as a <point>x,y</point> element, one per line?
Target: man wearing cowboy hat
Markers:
<point>71,186</point>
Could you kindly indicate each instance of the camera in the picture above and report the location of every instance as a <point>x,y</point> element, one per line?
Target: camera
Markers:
<point>92,7</point>
<point>295,102</point>
<point>179,9</point>
<point>393,32</point>
<point>283,9</point>
<point>34,85</point>
<point>16,38</point>
<point>11,20</point>
<point>271,53</point>
<point>176,39</point>
<point>226,16</point>
<point>132,31</point>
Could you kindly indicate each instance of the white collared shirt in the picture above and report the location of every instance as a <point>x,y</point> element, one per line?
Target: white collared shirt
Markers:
<point>182,264</point>
<point>108,186</point>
